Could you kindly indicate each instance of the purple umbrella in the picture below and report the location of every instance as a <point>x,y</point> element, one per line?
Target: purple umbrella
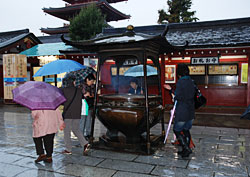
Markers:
<point>170,121</point>
<point>37,95</point>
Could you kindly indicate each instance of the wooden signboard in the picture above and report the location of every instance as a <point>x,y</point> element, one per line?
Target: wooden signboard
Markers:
<point>14,73</point>
<point>197,70</point>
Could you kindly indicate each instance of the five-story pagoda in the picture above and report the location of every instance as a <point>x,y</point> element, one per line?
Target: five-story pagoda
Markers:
<point>73,7</point>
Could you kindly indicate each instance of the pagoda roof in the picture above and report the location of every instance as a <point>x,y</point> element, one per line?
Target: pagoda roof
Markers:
<point>59,30</point>
<point>218,33</point>
<point>11,37</point>
<point>84,1</point>
<point>68,12</point>
<point>55,38</point>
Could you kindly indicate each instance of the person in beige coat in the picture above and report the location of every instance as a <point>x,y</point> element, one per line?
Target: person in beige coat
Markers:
<point>45,125</point>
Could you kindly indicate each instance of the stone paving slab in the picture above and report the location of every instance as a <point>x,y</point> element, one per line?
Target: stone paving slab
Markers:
<point>128,174</point>
<point>126,166</point>
<point>9,158</point>
<point>86,171</point>
<point>113,155</point>
<point>41,173</point>
<point>82,160</point>
<point>10,170</point>
<point>29,163</point>
<point>181,172</point>
<point>156,160</point>
<point>28,152</point>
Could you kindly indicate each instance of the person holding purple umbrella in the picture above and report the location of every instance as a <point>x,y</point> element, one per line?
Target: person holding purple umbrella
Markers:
<point>43,100</point>
<point>45,126</point>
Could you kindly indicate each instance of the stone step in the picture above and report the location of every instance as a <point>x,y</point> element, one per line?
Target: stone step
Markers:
<point>217,117</point>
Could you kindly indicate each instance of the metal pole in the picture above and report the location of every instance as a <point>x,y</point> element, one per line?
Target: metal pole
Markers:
<point>146,101</point>
<point>161,74</point>
<point>95,102</point>
<point>55,76</point>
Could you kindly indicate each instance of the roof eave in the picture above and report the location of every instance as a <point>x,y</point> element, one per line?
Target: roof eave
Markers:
<point>19,38</point>
<point>74,9</point>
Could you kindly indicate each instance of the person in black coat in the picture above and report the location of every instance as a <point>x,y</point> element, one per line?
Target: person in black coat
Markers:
<point>185,110</point>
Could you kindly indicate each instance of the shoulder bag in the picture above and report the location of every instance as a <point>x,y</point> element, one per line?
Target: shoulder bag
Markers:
<point>199,99</point>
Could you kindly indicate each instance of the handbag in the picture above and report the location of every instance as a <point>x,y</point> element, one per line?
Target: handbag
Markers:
<point>64,112</point>
<point>85,107</point>
<point>199,99</point>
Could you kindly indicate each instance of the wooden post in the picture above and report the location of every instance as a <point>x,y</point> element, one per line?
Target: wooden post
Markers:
<point>117,79</point>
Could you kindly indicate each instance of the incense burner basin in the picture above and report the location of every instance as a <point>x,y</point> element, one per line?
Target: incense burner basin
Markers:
<point>127,114</point>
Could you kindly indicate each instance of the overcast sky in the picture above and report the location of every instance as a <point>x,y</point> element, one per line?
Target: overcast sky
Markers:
<point>22,14</point>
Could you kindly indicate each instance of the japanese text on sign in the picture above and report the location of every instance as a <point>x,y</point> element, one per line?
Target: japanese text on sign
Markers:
<point>205,60</point>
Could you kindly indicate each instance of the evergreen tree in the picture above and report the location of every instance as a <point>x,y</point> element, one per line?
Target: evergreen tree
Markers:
<point>178,11</point>
<point>87,23</point>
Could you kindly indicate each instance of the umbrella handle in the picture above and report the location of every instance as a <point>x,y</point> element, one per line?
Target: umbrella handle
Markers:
<point>170,122</point>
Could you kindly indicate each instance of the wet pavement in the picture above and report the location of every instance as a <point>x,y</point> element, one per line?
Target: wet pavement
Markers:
<point>218,152</point>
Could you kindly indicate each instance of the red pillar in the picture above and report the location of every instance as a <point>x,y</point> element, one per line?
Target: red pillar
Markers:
<point>248,81</point>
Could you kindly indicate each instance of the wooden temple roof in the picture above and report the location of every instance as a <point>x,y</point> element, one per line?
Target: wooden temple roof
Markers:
<point>219,33</point>
<point>11,37</point>
<point>85,1</point>
<point>68,12</point>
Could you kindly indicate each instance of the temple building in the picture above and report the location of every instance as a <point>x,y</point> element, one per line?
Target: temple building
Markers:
<point>217,53</point>
<point>14,42</point>
<point>73,7</point>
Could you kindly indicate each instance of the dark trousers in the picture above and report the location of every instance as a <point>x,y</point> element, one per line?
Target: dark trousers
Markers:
<point>47,142</point>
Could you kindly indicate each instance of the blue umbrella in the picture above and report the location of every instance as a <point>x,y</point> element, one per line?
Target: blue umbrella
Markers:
<point>136,71</point>
<point>59,66</point>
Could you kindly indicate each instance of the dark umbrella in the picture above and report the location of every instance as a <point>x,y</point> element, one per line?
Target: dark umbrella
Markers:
<point>246,114</point>
<point>80,76</point>
<point>37,95</point>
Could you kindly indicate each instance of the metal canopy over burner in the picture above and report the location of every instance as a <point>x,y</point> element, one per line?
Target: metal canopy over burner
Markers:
<point>129,114</point>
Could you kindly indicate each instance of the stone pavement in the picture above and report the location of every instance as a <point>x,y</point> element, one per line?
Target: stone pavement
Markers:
<point>219,152</point>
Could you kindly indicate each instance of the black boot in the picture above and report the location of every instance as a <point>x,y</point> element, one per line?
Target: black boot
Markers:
<point>187,135</point>
<point>183,142</point>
